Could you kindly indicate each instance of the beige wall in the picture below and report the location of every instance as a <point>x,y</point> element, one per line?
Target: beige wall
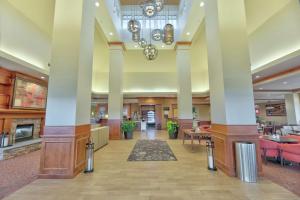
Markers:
<point>22,39</point>
<point>141,75</point>
<point>199,65</point>
<point>159,75</point>
<point>264,117</point>
<point>100,63</point>
<point>277,37</point>
<point>203,112</point>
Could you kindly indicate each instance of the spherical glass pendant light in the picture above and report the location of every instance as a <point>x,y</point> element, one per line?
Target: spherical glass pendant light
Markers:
<point>157,35</point>
<point>142,43</point>
<point>149,9</point>
<point>134,26</point>
<point>168,34</point>
<point>159,5</point>
<point>136,36</point>
<point>150,52</point>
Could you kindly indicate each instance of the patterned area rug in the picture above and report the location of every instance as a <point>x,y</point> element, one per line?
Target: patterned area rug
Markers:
<point>151,150</point>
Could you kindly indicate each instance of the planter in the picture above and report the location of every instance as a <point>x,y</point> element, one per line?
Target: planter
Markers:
<point>174,135</point>
<point>128,135</point>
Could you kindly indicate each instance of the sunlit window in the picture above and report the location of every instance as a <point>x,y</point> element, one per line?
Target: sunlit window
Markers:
<point>157,22</point>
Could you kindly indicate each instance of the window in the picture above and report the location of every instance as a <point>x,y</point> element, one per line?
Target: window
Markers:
<point>157,22</point>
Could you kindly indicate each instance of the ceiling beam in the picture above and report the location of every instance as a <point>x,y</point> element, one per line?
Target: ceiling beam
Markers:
<point>277,75</point>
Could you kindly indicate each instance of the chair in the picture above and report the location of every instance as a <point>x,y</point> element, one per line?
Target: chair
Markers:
<point>267,130</point>
<point>269,149</point>
<point>297,137</point>
<point>290,152</point>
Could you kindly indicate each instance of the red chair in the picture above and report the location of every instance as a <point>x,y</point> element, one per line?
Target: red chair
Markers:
<point>294,137</point>
<point>290,152</point>
<point>269,149</point>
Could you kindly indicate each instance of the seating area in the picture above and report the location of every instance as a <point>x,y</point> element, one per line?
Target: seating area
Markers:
<point>285,149</point>
<point>100,92</point>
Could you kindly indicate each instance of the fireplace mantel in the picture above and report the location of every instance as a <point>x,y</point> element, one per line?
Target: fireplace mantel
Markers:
<point>8,115</point>
<point>13,113</point>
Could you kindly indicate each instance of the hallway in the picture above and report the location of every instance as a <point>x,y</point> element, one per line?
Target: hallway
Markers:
<point>185,179</point>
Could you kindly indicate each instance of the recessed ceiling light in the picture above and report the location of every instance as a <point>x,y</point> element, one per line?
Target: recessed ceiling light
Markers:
<point>97,4</point>
<point>188,33</point>
<point>257,76</point>
<point>285,82</point>
<point>163,46</point>
<point>202,4</point>
<point>261,88</point>
<point>111,33</point>
<point>42,77</point>
<point>136,46</point>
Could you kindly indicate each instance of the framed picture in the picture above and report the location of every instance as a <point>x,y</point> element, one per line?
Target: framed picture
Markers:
<point>276,109</point>
<point>29,95</point>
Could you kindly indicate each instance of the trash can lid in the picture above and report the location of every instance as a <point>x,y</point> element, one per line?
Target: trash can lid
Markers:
<point>241,142</point>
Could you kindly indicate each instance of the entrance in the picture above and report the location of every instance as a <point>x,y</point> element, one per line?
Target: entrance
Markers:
<point>148,115</point>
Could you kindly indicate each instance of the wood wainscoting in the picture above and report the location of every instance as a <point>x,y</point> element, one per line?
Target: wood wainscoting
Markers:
<point>184,124</point>
<point>225,136</point>
<point>63,151</point>
<point>115,132</point>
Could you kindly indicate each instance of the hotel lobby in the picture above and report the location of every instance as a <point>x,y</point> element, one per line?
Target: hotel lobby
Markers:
<point>150,99</point>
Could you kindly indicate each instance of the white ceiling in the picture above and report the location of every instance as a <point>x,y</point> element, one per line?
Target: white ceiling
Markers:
<point>279,66</point>
<point>288,82</point>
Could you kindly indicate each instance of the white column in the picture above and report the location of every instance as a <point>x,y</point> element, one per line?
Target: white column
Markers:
<point>230,82</point>
<point>184,87</point>
<point>115,97</point>
<point>184,84</point>
<point>69,95</point>
<point>67,127</point>
<point>292,104</point>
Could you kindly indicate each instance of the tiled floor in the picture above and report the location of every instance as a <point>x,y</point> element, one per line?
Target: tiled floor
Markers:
<point>185,179</point>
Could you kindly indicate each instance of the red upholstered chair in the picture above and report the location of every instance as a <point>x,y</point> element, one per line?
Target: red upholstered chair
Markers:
<point>290,152</point>
<point>297,137</point>
<point>269,149</point>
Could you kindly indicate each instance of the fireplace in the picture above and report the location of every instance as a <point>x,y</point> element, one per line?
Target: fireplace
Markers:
<point>24,132</point>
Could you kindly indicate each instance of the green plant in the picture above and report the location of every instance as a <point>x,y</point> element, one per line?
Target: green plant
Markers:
<point>128,126</point>
<point>172,127</point>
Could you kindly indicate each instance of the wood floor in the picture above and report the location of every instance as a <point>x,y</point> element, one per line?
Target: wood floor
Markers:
<point>186,179</point>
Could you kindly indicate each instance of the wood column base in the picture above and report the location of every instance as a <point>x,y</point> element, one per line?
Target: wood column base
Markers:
<point>184,124</point>
<point>224,137</point>
<point>63,151</point>
<point>115,132</point>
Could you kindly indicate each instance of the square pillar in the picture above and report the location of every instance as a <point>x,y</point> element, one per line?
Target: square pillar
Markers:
<point>115,97</point>
<point>292,104</point>
<point>184,87</point>
<point>67,126</point>
<point>231,90</point>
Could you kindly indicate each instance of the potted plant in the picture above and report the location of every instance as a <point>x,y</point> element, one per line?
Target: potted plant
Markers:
<point>172,128</point>
<point>128,128</point>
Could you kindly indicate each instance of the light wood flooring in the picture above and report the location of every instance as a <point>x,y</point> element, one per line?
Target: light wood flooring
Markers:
<point>186,179</point>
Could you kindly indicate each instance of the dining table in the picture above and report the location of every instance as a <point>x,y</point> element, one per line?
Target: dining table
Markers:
<point>195,134</point>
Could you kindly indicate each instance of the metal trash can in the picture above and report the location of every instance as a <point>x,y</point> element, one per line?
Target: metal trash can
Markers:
<point>210,155</point>
<point>246,166</point>
<point>89,158</point>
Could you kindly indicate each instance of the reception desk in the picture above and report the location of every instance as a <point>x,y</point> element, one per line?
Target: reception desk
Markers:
<point>99,136</point>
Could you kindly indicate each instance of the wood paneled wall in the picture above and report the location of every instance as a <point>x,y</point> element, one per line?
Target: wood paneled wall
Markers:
<point>7,113</point>
<point>6,86</point>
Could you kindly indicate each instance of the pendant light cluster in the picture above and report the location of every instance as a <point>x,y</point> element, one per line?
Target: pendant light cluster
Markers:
<point>150,9</point>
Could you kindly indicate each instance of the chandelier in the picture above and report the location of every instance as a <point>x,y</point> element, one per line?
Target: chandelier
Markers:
<point>150,9</point>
